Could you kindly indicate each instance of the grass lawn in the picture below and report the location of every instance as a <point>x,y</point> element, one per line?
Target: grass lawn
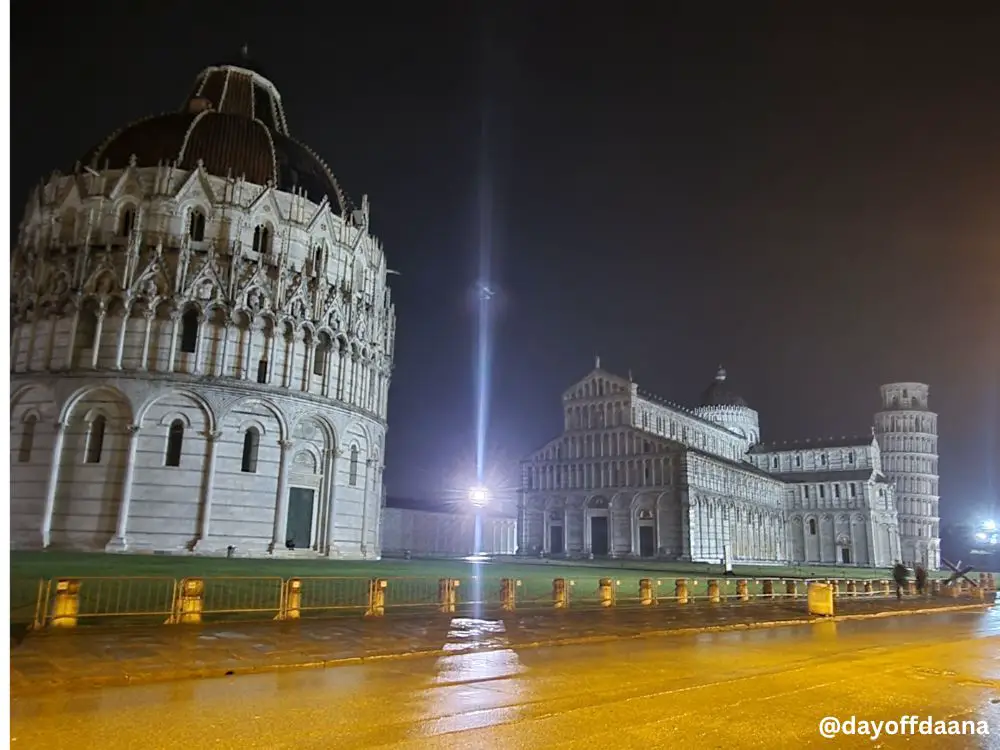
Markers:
<point>411,582</point>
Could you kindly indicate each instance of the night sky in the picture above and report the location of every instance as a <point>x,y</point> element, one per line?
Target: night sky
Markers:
<point>811,200</point>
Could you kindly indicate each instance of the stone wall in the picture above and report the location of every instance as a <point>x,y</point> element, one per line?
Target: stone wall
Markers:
<point>126,496</point>
<point>437,534</point>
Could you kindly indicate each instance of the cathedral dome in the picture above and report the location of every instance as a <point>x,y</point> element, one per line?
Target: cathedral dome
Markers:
<point>233,123</point>
<point>719,394</point>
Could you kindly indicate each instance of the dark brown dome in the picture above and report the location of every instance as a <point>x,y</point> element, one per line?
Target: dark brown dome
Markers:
<point>233,124</point>
<point>718,394</point>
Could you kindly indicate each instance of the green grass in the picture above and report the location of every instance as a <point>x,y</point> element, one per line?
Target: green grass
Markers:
<point>232,590</point>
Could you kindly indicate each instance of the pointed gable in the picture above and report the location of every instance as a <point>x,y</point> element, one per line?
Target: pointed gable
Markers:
<point>196,188</point>
<point>127,184</point>
<point>266,205</point>
<point>598,383</point>
<point>70,196</point>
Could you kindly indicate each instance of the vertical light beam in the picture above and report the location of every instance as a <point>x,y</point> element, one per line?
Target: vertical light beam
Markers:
<point>484,330</point>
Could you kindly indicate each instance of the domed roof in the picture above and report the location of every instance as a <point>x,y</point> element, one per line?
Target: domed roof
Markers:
<point>718,394</point>
<point>233,123</point>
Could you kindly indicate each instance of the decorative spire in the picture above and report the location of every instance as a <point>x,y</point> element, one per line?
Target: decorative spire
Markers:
<point>721,374</point>
<point>245,51</point>
<point>597,361</point>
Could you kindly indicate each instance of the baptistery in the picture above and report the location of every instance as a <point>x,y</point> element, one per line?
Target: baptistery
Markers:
<point>201,342</point>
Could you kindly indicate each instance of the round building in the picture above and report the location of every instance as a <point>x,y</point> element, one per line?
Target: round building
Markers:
<point>907,435</point>
<point>201,342</point>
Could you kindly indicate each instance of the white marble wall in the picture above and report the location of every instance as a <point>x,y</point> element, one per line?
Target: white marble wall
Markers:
<point>435,534</point>
<point>907,433</point>
<point>800,456</point>
<point>108,279</point>
<point>130,500</point>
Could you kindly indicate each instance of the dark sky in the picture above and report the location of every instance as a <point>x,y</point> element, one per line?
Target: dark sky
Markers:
<point>811,200</point>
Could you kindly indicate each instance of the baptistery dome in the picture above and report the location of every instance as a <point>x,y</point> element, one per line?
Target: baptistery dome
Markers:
<point>233,123</point>
<point>201,342</point>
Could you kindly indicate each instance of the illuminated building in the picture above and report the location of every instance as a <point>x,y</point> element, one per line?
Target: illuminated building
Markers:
<point>907,433</point>
<point>635,476</point>
<point>201,341</point>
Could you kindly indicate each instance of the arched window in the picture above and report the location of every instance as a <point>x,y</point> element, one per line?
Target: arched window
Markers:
<point>197,226</point>
<point>262,371</point>
<point>318,259</point>
<point>175,443</point>
<point>251,442</point>
<point>320,357</point>
<point>812,527</point>
<point>189,331</point>
<point>27,439</point>
<point>262,239</point>
<point>95,440</point>
<point>127,222</point>
<point>354,466</point>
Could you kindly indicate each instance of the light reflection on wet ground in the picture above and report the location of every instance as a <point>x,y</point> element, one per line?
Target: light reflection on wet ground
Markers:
<point>763,688</point>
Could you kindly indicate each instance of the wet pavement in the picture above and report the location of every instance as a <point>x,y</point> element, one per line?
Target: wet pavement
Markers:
<point>86,657</point>
<point>765,688</point>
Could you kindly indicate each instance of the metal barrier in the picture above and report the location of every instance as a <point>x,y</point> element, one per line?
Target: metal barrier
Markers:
<point>68,602</point>
<point>330,594</point>
<point>105,597</point>
<point>244,596</point>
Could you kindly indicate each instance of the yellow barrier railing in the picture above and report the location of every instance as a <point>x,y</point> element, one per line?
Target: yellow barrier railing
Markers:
<point>65,602</point>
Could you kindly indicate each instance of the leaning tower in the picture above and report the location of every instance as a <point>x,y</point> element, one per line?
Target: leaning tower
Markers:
<point>906,431</point>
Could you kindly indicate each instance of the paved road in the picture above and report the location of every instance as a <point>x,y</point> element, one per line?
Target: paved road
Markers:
<point>767,688</point>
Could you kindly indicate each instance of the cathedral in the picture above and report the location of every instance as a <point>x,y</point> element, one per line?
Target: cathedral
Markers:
<point>201,341</point>
<point>635,476</point>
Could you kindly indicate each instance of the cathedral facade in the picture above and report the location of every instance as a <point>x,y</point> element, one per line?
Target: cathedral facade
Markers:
<point>201,342</point>
<point>635,476</point>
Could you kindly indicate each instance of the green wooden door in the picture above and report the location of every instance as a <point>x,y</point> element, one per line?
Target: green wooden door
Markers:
<point>300,517</point>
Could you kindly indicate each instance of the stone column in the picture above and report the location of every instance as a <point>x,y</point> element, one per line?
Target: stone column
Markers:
<point>50,344</point>
<point>281,500</point>
<point>52,484</point>
<point>220,368</point>
<point>15,345</point>
<point>369,464</point>
<point>586,530</point>
<point>32,341</point>
<point>328,371</point>
<point>379,507</point>
<point>73,326</point>
<point>123,331</point>
<point>175,320</point>
<point>341,368</point>
<point>310,364</point>
<point>355,367</point>
<point>119,542</point>
<point>211,441</point>
<point>272,338</point>
<point>247,351</point>
<point>150,316</point>
<point>199,346</point>
<point>96,350</point>
<point>330,472</point>
<point>289,368</point>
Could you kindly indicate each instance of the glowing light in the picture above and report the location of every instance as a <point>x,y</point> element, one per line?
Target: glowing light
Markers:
<point>981,536</point>
<point>479,496</point>
<point>989,525</point>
